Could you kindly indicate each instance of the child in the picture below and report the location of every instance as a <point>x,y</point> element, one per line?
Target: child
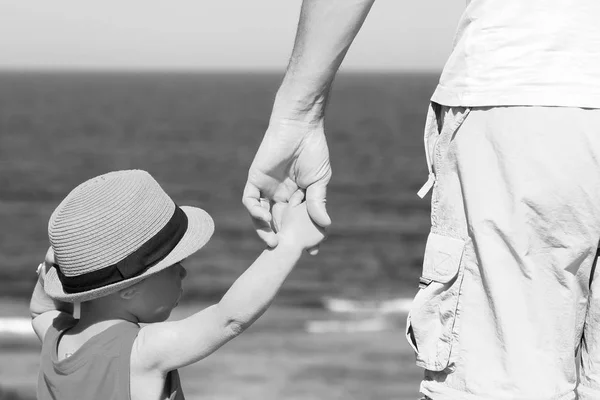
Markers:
<point>118,242</point>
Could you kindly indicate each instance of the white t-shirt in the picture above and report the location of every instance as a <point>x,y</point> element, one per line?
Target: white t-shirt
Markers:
<point>524,52</point>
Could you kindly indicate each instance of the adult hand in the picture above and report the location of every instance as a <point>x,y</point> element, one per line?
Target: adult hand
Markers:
<point>293,155</point>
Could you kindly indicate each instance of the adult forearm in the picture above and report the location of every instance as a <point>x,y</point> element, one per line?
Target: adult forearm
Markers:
<point>253,292</point>
<point>326,30</point>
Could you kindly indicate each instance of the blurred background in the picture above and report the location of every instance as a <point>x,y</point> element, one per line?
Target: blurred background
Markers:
<point>184,90</point>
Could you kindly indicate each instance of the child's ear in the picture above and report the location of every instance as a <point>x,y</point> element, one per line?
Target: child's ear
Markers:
<point>128,293</point>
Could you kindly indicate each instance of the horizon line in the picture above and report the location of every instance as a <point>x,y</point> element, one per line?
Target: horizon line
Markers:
<point>176,70</point>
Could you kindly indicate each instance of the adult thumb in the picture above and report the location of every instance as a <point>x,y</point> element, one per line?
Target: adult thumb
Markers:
<point>316,197</point>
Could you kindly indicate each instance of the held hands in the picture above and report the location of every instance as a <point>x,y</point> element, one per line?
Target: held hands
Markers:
<point>296,228</point>
<point>292,156</point>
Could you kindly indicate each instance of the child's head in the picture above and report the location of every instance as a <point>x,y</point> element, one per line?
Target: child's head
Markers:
<point>150,300</point>
<point>119,238</point>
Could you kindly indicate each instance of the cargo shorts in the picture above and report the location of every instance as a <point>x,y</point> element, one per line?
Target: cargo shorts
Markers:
<point>509,302</point>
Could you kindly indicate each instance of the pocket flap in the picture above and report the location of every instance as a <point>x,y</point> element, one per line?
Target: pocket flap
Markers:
<point>442,257</point>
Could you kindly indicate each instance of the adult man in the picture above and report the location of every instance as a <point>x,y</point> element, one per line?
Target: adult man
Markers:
<point>508,292</point>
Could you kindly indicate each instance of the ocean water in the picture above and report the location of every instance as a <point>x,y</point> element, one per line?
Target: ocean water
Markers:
<point>197,135</point>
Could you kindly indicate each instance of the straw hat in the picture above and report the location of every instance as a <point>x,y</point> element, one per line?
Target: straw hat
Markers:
<point>116,229</point>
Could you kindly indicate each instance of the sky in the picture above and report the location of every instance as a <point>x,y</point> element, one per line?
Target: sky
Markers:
<point>211,34</point>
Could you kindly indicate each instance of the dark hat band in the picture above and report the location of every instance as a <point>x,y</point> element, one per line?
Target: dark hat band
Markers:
<point>150,253</point>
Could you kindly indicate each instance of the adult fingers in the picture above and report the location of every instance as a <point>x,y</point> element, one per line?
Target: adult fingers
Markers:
<point>313,251</point>
<point>265,232</point>
<point>259,210</point>
<point>277,211</point>
<point>252,201</point>
<point>315,203</point>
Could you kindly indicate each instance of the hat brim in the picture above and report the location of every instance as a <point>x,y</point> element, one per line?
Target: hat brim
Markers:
<point>199,231</point>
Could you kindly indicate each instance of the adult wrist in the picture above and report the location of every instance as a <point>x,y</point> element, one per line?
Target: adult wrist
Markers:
<point>300,101</point>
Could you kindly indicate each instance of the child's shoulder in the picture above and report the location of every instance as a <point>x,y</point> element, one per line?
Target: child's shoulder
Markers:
<point>52,322</point>
<point>112,340</point>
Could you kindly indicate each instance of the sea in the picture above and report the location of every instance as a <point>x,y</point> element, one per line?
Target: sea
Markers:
<point>197,134</point>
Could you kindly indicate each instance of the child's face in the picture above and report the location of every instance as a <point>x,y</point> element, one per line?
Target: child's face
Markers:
<point>159,294</point>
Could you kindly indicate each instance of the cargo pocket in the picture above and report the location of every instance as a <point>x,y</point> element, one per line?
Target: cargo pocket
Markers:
<point>433,318</point>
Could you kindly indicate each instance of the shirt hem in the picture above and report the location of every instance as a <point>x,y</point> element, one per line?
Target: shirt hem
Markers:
<point>514,97</point>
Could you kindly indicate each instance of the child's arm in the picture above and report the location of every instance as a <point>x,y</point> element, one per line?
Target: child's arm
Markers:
<point>170,345</point>
<point>42,308</point>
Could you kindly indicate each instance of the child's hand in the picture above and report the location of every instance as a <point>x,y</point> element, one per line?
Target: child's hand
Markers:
<point>296,228</point>
<point>49,259</point>
<point>44,267</point>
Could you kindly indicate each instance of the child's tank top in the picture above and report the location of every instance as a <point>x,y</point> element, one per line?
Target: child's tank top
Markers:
<point>97,370</point>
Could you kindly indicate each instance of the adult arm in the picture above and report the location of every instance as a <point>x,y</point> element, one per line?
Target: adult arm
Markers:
<point>293,153</point>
